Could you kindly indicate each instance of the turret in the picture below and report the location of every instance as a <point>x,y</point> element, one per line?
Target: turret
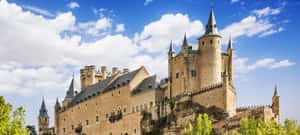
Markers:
<point>185,45</point>
<point>230,62</point>
<point>43,119</point>
<point>70,93</point>
<point>225,78</point>
<point>210,54</point>
<point>87,76</point>
<point>276,104</point>
<point>171,55</point>
<point>56,116</point>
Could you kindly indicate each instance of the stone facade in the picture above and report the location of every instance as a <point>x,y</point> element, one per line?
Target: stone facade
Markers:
<point>200,80</point>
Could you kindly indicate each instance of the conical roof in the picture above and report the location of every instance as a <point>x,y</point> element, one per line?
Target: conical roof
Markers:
<point>43,110</point>
<point>211,26</point>
<point>57,104</point>
<point>171,49</point>
<point>275,92</point>
<point>185,43</point>
<point>71,91</point>
<point>229,43</point>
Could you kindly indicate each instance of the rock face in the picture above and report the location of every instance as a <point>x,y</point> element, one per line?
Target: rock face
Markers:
<point>184,113</point>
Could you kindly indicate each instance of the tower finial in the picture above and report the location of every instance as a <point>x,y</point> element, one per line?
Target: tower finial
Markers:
<point>211,26</point>
<point>275,91</point>
<point>229,43</point>
<point>171,49</point>
<point>185,40</point>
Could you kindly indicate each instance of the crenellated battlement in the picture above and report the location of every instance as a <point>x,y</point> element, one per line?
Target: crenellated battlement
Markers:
<point>251,107</point>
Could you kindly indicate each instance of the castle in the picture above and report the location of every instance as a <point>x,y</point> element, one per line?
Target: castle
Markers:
<point>112,102</point>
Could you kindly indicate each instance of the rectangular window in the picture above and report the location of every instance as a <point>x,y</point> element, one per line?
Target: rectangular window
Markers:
<point>72,127</point>
<point>124,109</point>
<point>64,130</point>
<point>134,131</point>
<point>97,118</point>
<point>87,122</point>
<point>106,115</point>
<point>193,73</point>
<point>177,75</point>
<point>133,109</point>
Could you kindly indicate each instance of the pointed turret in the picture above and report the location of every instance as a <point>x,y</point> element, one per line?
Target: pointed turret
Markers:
<point>211,26</point>
<point>71,91</point>
<point>171,49</point>
<point>57,104</point>
<point>43,110</point>
<point>275,92</point>
<point>185,43</point>
<point>229,43</point>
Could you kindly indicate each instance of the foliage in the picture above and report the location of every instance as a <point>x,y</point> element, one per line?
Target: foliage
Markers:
<point>157,125</point>
<point>258,127</point>
<point>126,134</point>
<point>32,130</point>
<point>172,105</point>
<point>202,126</point>
<point>12,124</point>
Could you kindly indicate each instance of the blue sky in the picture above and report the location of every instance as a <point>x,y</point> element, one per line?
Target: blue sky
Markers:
<point>43,42</point>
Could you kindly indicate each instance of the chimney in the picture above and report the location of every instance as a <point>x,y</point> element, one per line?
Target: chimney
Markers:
<point>125,70</point>
<point>114,70</point>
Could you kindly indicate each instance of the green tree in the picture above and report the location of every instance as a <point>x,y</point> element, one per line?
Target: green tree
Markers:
<point>32,130</point>
<point>12,123</point>
<point>202,126</point>
<point>258,127</point>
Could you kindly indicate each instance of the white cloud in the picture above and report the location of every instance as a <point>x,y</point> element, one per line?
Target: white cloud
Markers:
<point>283,63</point>
<point>249,26</point>
<point>272,31</point>
<point>233,1</point>
<point>147,2</point>
<point>120,28</point>
<point>37,10</point>
<point>157,35</point>
<point>94,27</point>
<point>73,5</point>
<point>241,66</point>
<point>266,11</point>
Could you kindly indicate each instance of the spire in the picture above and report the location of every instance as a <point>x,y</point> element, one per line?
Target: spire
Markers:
<point>275,92</point>
<point>57,104</point>
<point>211,26</point>
<point>185,41</point>
<point>43,110</point>
<point>171,49</point>
<point>71,90</point>
<point>229,43</point>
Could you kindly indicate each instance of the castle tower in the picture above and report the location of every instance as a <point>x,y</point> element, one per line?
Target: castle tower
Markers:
<point>230,62</point>
<point>70,93</point>
<point>185,46</point>
<point>87,76</point>
<point>276,104</point>
<point>56,115</point>
<point>171,54</point>
<point>43,119</point>
<point>210,54</point>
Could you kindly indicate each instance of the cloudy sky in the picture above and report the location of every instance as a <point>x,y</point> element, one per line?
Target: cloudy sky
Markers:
<point>42,43</point>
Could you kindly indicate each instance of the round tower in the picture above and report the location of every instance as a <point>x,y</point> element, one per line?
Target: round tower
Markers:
<point>43,118</point>
<point>210,54</point>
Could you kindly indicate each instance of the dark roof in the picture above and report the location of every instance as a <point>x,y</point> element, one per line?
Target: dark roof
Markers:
<point>43,110</point>
<point>229,44</point>
<point>57,104</point>
<point>171,49</point>
<point>102,86</point>
<point>71,91</point>
<point>211,26</point>
<point>185,43</point>
<point>275,92</point>
<point>147,84</point>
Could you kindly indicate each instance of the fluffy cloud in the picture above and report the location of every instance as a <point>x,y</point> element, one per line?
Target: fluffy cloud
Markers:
<point>241,66</point>
<point>73,5</point>
<point>233,1</point>
<point>266,11</point>
<point>157,35</point>
<point>120,28</point>
<point>272,31</point>
<point>94,27</point>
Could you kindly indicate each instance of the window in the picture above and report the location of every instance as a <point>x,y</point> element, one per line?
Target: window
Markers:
<point>137,108</point>
<point>141,107</point>
<point>119,92</point>
<point>133,109</point>
<point>106,115</point>
<point>64,129</point>
<point>202,42</point>
<point>112,94</point>
<point>177,75</point>
<point>151,104</point>
<point>150,86</point>
<point>134,131</point>
<point>72,127</point>
<point>193,73</point>
<point>97,118</point>
<point>64,119</point>
<point>211,41</point>
<point>124,109</point>
<point>87,122</point>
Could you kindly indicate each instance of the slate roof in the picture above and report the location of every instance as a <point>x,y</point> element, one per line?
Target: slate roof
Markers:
<point>211,26</point>
<point>102,87</point>
<point>71,91</point>
<point>43,110</point>
<point>147,84</point>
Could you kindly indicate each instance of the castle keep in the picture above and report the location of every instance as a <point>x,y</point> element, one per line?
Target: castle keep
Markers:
<point>199,76</point>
